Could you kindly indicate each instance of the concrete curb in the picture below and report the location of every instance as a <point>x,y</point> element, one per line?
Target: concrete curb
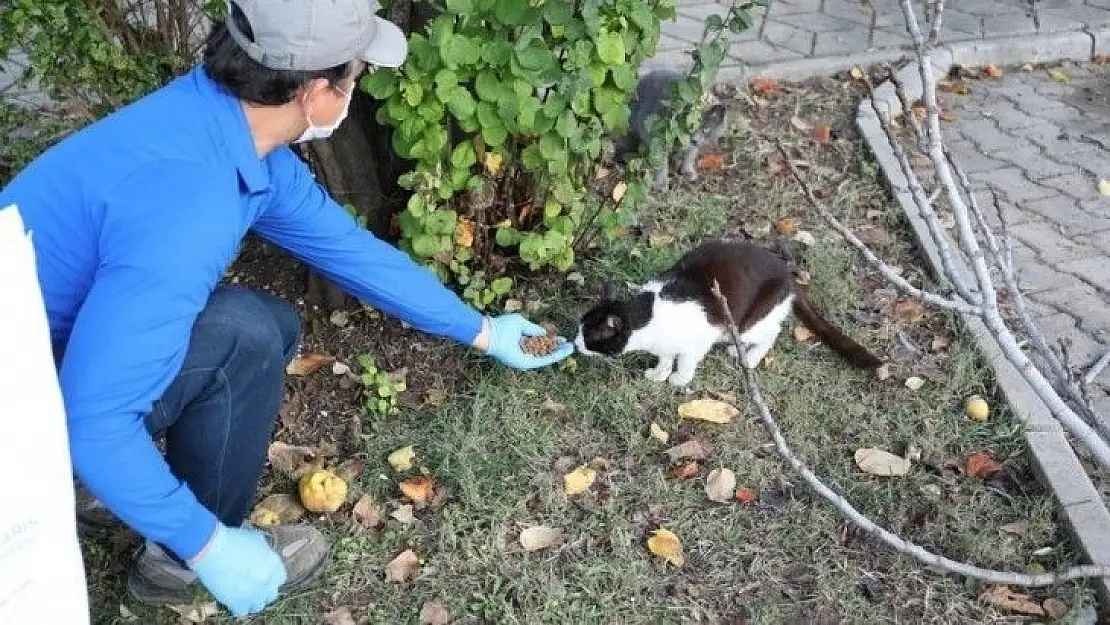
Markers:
<point>1055,462</point>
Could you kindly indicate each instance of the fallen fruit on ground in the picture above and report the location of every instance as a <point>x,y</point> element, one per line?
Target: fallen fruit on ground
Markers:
<point>539,537</point>
<point>401,460</point>
<point>976,408</point>
<point>665,544</point>
<point>579,480</point>
<point>306,364</point>
<point>879,462</point>
<point>403,568</point>
<point>419,489</point>
<point>711,410</point>
<point>720,485</point>
<point>322,491</point>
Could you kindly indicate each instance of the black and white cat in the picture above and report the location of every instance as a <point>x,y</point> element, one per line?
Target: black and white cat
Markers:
<point>653,98</point>
<point>677,318</point>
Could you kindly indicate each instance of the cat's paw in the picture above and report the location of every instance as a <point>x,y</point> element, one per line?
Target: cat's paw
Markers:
<point>655,374</point>
<point>680,380</point>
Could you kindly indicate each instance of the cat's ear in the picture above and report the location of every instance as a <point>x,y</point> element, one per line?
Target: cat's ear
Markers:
<point>613,322</point>
<point>608,290</point>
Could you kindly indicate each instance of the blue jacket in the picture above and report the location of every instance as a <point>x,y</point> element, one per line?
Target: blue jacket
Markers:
<point>134,220</point>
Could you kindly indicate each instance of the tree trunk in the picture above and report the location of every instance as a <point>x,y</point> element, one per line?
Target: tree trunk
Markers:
<point>358,166</point>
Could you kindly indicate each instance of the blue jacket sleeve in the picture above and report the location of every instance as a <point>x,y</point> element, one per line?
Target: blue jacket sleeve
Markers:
<point>304,220</point>
<point>128,343</point>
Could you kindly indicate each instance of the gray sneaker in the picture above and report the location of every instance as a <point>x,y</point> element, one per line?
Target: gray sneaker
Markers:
<point>157,580</point>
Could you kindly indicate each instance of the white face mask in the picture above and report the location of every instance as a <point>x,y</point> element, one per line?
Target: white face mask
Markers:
<point>323,132</point>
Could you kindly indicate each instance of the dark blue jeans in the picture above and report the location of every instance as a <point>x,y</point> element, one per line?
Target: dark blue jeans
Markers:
<point>219,413</point>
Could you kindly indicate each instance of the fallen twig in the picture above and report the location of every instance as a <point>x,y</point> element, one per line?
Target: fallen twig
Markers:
<point>1096,368</point>
<point>894,541</point>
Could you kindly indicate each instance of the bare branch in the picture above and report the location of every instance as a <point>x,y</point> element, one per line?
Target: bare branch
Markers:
<point>1096,368</point>
<point>892,540</point>
<point>882,267</point>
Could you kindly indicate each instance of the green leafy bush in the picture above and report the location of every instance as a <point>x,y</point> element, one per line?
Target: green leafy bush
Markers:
<point>505,105</point>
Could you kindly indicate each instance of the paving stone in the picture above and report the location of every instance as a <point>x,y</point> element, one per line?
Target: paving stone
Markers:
<point>1050,244</point>
<point>885,38</point>
<point>1054,459</point>
<point>759,52</point>
<point>1026,98</point>
<point>1093,269</point>
<point>851,11</point>
<point>1072,18</point>
<point>1013,185</point>
<point>822,23</point>
<point>1035,164</point>
<point>973,161</point>
<point>841,42</point>
<point>793,7</point>
<point>986,135</point>
<point>1008,24</point>
<point>785,36</point>
<point>1008,117</point>
<point>1079,185</point>
<point>685,29</point>
<point>958,25</point>
<point>1084,303</point>
<point>1066,212</point>
<point>1034,276</point>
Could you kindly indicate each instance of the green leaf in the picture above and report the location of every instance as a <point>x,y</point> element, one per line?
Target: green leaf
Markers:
<point>501,285</point>
<point>551,209</point>
<point>497,53</point>
<point>461,103</point>
<point>381,84</point>
<point>425,246</point>
<point>487,115</point>
<point>463,156</point>
<point>552,146</point>
<point>510,12</point>
<point>440,222</point>
<point>446,81</point>
<point>494,135</point>
<point>558,12</point>
<point>412,91</point>
<point>610,47</point>
<point>526,118</point>
<point>507,237</point>
<point>567,125</point>
<point>532,157</point>
<point>416,204</point>
<point>536,57</point>
<point>460,7</point>
<point>624,77</point>
<point>487,86</point>
<point>459,50</point>
<point>431,111</point>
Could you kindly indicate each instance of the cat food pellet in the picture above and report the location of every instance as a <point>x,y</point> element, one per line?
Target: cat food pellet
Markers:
<point>541,345</point>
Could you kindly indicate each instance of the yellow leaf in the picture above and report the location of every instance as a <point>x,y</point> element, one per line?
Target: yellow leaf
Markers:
<point>401,460</point>
<point>403,568</point>
<point>857,72</point>
<point>1104,187</point>
<point>619,190</point>
<point>493,162</point>
<point>464,233</point>
<point>710,410</point>
<point>419,489</point>
<point>720,485</point>
<point>659,433</point>
<point>1058,75</point>
<point>879,462</point>
<point>665,544</point>
<point>539,537</point>
<point>578,480</point>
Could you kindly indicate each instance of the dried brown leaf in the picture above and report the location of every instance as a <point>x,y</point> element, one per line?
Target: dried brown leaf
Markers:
<point>351,469</point>
<point>539,537</point>
<point>404,515</point>
<point>745,496</point>
<point>619,190</point>
<point>992,70</point>
<point>683,471</point>
<point>711,410</point>
<point>693,449</point>
<point>1055,608</point>
<point>405,567</point>
<point>720,485</point>
<point>284,508</point>
<point>665,544</point>
<point>907,308</point>
<point>879,462</point>
<point>340,616</point>
<point>306,364</point>
<point>293,460</point>
<point>981,465</point>
<point>765,85</point>
<point>821,133</point>
<point>365,513</point>
<point>1010,601</point>
<point>802,333</point>
<point>419,489</point>
<point>800,124</point>
<point>434,613</point>
<point>1017,528</point>
<point>711,161</point>
<point>786,226</point>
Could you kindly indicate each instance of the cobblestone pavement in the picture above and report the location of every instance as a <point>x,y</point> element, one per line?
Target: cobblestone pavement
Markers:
<point>1046,145</point>
<point>796,30</point>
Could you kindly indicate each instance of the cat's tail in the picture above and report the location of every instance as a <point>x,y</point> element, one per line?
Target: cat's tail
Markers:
<point>839,342</point>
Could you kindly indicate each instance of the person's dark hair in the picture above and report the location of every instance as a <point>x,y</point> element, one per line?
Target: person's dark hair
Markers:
<point>249,80</point>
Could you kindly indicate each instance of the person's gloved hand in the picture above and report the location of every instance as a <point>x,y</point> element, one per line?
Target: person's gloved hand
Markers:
<point>505,333</point>
<point>240,570</point>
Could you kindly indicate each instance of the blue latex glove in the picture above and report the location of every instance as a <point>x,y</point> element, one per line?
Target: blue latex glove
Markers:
<point>506,332</point>
<point>240,570</point>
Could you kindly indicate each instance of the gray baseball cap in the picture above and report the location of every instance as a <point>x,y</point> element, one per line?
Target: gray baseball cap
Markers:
<point>312,35</point>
